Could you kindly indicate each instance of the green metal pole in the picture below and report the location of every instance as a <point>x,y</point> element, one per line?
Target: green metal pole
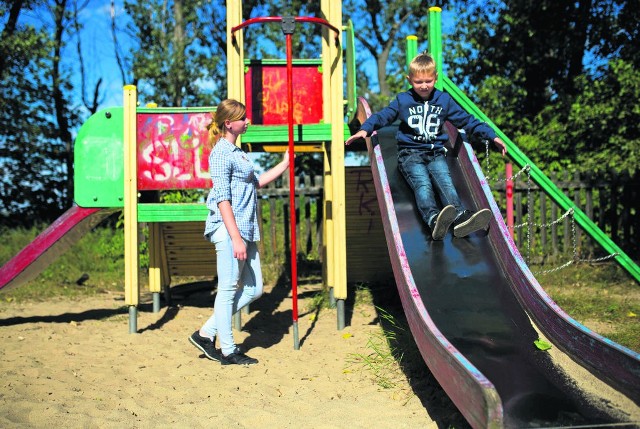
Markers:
<point>435,40</point>
<point>412,49</point>
<point>350,60</point>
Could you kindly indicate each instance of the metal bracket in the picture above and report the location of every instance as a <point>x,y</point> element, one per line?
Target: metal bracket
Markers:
<point>288,24</point>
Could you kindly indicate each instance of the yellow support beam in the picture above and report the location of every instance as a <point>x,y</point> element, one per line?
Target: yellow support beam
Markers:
<point>333,110</point>
<point>131,256</point>
<point>235,53</point>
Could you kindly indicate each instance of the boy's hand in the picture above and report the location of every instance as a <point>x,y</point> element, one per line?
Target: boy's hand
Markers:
<point>359,135</point>
<point>500,144</point>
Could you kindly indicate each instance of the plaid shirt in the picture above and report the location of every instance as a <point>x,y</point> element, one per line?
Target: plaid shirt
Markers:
<point>234,180</point>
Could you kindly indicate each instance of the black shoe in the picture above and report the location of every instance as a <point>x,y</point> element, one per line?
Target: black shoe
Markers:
<point>206,346</point>
<point>470,221</point>
<point>442,223</point>
<point>238,358</point>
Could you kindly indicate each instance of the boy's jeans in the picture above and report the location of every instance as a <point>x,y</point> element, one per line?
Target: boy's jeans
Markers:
<point>427,172</point>
<point>239,283</point>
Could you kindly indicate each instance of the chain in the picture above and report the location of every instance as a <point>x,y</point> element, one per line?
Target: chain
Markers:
<point>544,225</point>
<point>527,169</point>
<point>552,270</point>
<point>602,258</point>
<point>575,249</point>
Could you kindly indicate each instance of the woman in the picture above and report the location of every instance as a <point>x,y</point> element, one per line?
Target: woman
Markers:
<point>232,226</point>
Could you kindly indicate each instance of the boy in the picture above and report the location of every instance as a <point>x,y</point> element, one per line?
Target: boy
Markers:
<point>422,111</point>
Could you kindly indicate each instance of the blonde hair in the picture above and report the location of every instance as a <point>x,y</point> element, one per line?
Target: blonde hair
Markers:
<point>227,110</point>
<point>422,64</point>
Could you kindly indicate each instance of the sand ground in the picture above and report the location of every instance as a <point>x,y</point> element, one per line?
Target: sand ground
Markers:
<point>73,364</point>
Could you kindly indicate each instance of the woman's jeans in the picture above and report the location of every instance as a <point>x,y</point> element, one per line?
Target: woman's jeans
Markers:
<point>427,172</point>
<point>239,283</point>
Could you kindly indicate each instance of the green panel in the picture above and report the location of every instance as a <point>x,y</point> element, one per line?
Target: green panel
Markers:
<point>203,109</point>
<point>546,184</point>
<point>99,160</point>
<point>283,62</point>
<point>163,212</point>
<point>280,133</point>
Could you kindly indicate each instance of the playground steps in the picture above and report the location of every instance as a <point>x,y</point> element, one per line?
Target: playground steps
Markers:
<point>180,250</point>
<point>188,253</point>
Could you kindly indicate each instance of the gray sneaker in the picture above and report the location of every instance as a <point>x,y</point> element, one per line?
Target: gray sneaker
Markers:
<point>443,221</point>
<point>206,346</point>
<point>470,221</point>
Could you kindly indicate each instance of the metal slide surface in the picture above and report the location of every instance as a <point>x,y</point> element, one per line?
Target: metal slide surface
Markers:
<point>50,244</point>
<point>465,299</point>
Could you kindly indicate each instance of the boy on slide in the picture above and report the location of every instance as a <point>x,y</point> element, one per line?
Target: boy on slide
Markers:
<point>422,111</point>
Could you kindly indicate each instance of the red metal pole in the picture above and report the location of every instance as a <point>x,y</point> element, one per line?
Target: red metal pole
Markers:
<point>509,192</point>
<point>292,194</point>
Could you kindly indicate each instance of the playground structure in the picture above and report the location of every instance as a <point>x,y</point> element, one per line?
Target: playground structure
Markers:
<point>121,152</point>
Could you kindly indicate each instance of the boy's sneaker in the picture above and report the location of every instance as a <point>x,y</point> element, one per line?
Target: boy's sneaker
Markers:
<point>206,346</point>
<point>442,223</point>
<point>238,358</point>
<point>470,221</point>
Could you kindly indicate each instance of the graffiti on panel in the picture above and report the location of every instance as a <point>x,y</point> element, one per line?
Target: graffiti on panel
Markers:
<point>368,202</point>
<point>173,151</point>
<point>267,94</point>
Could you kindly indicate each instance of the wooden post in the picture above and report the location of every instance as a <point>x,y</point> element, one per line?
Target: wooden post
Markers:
<point>131,255</point>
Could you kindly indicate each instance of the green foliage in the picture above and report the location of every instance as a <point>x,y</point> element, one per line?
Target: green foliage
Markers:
<point>32,155</point>
<point>183,196</point>
<point>604,122</point>
<point>175,55</point>
<point>381,36</point>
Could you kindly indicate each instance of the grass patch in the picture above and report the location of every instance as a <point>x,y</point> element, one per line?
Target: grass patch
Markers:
<point>383,361</point>
<point>95,264</point>
<point>604,298</point>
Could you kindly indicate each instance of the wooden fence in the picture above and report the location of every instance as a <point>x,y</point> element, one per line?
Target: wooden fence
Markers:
<point>543,233</point>
<point>273,209</point>
<point>367,257</point>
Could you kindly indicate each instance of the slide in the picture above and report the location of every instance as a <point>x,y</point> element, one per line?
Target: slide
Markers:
<point>476,311</point>
<point>50,244</point>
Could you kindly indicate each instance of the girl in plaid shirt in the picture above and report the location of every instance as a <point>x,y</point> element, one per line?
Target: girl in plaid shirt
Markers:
<point>232,226</point>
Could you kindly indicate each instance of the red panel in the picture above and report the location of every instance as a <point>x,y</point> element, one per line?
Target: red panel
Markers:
<point>173,152</point>
<point>266,89</point>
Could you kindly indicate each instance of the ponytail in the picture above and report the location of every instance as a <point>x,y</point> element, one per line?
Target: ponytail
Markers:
<point>227,110</point>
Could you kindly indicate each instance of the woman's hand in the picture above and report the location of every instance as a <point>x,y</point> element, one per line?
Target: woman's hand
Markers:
<point>239,249</point>
<point>285,158</point>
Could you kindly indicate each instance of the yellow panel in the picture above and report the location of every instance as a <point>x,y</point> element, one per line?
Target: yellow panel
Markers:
<point>298,148</point>
<point>155,274</point>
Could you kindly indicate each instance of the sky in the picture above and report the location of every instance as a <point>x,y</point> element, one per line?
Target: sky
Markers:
<point>98,45</point>
<point>97,38</point>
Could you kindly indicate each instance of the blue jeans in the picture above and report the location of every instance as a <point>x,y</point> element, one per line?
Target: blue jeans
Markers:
<point>426,173</point>
<point>239,284</point>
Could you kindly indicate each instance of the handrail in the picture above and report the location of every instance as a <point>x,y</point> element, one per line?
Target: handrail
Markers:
<point>263,19</point>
